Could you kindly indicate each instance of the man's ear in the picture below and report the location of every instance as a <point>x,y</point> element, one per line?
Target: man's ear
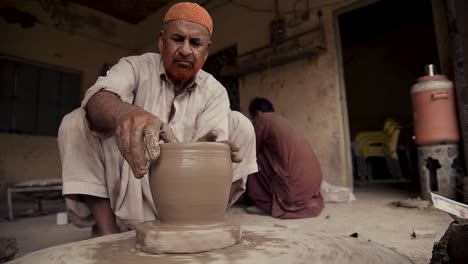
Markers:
<point>208,50</point>
<point>160,41</point>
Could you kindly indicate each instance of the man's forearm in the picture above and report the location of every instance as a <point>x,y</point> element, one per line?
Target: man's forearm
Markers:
<point>104,109</point>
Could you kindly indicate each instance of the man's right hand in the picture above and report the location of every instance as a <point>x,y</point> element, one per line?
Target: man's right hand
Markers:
<point>138,133</point>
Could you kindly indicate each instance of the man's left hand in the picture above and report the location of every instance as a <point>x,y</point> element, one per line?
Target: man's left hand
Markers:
<point>212,136</point>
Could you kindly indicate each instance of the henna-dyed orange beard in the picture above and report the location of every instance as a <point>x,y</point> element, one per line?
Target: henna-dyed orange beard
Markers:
<point>179,69</point>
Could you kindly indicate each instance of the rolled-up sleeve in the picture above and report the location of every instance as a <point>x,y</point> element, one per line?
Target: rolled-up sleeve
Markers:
<point>121,80</point>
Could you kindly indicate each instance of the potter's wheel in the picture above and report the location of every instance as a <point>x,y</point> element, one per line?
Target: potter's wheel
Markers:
<point>157,238</point>
<point>258,245</point>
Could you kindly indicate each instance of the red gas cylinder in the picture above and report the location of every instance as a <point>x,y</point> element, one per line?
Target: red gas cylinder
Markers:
<point>435,119</point>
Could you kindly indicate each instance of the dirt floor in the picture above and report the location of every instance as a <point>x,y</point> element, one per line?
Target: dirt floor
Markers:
<point>372,216</point>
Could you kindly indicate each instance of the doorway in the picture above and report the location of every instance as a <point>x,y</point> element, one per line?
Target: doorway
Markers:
<point>385,46</point>
<point>214,65</point>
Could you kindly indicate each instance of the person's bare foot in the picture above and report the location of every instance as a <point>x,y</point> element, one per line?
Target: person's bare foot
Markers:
<point>255,210</point>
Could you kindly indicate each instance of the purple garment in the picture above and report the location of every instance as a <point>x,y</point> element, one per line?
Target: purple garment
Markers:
<point>289,178</point>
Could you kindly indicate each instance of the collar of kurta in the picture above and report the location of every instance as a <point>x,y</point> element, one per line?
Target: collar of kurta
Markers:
<point>191,85</point>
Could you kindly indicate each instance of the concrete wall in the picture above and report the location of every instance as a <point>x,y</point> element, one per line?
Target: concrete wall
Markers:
<point>307,91</point>
<point>27,158</point>
<point>81,50</point>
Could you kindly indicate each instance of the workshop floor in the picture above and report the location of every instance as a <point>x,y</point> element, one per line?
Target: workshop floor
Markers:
<point>371,216</point>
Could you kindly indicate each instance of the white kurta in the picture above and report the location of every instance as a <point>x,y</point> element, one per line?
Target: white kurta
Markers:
<point>92,163</point>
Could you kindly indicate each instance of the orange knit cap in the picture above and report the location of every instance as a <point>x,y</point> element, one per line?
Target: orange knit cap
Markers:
<point>190,12</point>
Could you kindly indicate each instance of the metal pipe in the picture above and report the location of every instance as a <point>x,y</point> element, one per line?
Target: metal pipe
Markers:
<point>430,70</point>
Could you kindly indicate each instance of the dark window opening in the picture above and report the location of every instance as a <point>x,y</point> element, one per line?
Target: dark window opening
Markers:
<point>34,99</point>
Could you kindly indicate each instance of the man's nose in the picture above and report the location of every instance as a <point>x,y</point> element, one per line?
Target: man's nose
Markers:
<point>185,50</point>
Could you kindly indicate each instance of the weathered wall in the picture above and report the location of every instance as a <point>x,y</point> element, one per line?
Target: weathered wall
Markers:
<point>308,97</point>
<point>31,157</point>
<point>76,45</point>
<point>307,91</point>
<point>27,158</point>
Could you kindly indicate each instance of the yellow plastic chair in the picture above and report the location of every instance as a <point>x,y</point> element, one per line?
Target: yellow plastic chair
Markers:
<point>378,134</point>
<point>374,143</point>
<point>378,144</point>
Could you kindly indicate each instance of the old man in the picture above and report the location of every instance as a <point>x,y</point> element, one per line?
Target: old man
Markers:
<point>107,145</point>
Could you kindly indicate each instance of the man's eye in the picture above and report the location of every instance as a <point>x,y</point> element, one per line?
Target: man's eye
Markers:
<point>196,44</point>
<point>178,40</point>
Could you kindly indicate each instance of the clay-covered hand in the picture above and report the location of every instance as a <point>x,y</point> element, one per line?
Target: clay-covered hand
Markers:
<point>212,136</point>
<point>138,134</point>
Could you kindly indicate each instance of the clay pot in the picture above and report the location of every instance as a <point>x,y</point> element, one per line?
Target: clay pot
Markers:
<point>190,183</point>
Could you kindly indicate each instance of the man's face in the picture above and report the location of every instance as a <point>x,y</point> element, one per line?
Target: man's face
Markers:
<point>184,48</point>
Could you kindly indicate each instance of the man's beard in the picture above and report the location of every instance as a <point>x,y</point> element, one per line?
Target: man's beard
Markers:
<point>179,73</point>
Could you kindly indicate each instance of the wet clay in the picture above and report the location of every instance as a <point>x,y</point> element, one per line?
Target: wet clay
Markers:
<point>190,184</point>
<point>259,244</point>
<point>157,238</point>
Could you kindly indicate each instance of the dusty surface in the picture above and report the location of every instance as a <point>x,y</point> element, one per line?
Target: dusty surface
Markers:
<point>372,216</point>
<point>275,245</point>
<point>154,237</point>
